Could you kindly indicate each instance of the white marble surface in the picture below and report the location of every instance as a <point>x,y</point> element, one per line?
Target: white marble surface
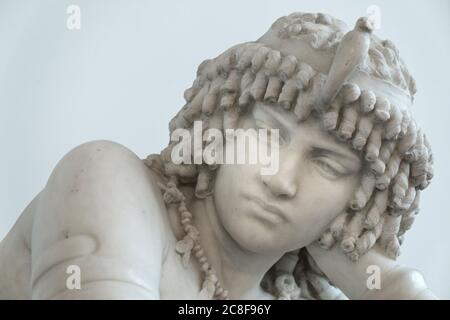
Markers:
<point>51,81</point>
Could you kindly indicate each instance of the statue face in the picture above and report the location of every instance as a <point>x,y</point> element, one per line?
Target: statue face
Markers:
<point>288,210</point>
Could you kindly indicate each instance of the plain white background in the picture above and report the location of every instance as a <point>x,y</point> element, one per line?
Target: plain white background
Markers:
<point>122,76</point>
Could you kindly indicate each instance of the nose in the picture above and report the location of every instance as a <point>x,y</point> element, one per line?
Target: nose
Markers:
<point>284,183</point>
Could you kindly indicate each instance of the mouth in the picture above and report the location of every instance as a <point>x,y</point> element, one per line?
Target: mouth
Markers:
<point>275,213</point>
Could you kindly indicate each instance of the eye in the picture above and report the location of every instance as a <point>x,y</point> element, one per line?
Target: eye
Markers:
<point>330,168</point>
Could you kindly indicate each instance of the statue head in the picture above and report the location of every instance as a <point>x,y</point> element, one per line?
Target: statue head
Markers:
<point>352,160</point>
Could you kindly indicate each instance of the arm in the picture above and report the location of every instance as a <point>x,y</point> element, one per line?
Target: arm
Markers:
<point>396,282</point>
<point>99,211</point>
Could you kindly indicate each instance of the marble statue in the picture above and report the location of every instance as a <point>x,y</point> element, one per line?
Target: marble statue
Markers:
<point>352,165</point>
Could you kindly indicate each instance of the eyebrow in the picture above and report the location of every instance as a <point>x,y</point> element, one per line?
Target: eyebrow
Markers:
<point>268,114</point>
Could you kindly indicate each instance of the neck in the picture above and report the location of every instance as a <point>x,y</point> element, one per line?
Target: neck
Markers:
<point>239,270</point>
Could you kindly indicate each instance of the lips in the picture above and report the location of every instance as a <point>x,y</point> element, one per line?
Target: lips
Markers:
<point>275,211</point>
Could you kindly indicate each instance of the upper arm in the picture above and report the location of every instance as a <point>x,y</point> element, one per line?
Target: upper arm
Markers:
<point>101,211</point>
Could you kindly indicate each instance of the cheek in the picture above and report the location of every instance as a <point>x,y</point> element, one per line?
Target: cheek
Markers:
<point>320,205</point>
<point>230,183</point>
<point>333,198</point>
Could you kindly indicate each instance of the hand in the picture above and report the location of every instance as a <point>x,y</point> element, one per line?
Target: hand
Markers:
<point>396,281</point>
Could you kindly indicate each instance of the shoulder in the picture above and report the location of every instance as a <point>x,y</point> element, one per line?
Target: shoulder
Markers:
<point>104,164</point>
<point>107,171</point>
<point>98,157</point>
<point>102,188</point>
<point>103,170</point>
<point>101,209</point>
